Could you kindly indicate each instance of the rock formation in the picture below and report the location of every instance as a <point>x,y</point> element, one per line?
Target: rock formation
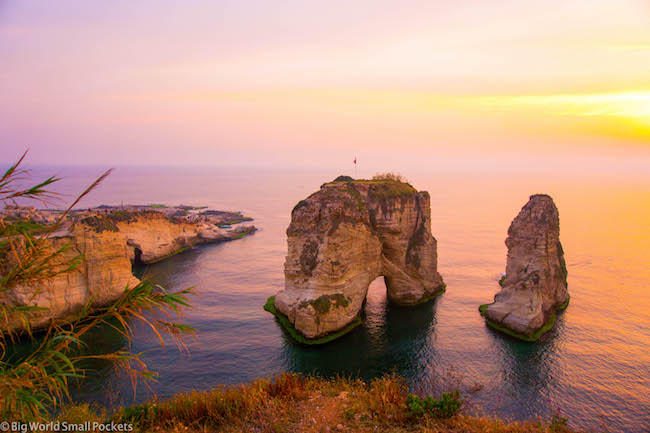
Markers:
<point>535,284</point>
<point>109,243</point>
<point>343,237</point>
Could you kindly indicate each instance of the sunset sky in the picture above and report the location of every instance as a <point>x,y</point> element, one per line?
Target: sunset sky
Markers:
<point>304,83</point>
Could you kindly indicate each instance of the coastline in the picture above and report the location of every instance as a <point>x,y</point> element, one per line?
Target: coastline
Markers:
<point>107,241</point>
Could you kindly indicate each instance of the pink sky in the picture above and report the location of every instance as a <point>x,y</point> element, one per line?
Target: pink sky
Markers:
<point>311,83</point>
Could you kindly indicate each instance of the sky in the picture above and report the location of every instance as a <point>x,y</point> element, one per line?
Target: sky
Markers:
<point>298,83</point>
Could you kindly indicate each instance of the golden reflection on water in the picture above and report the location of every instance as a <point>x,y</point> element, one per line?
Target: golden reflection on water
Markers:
<point>605,231</point>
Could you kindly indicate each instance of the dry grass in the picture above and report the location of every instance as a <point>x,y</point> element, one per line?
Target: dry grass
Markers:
<point>395,177</point>
<point>292,403</point>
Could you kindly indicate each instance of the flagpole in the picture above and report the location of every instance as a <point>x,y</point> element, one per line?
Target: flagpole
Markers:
<point>355,167</point>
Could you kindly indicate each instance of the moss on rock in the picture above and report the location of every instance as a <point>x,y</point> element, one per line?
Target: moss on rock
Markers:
<point>323,303</point>
<point>550,322</point>
<point>388,189</point>
<point>100,223</point>
<point>297,336</point>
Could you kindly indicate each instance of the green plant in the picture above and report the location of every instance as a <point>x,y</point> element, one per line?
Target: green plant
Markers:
<point>33,383</point>
<point>447,406</point>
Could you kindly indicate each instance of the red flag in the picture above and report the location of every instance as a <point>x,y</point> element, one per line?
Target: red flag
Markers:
<point>355,159</point>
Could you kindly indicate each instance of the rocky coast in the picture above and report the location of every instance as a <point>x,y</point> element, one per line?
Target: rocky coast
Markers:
<point>107,241</point>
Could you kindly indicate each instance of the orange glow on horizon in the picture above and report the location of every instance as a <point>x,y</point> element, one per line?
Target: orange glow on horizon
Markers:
<point>623,115</point>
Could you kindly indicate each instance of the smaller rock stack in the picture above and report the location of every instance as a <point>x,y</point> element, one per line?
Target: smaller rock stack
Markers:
<point>535,285</point>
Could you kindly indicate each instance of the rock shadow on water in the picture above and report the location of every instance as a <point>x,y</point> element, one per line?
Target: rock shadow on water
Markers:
<point>163,272</point>
<point>390,339</point>
<point>529,377</point>
<point>105,384</point>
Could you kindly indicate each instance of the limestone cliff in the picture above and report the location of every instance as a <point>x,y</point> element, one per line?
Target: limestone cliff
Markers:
<point>108,244</point>
<point>343,237</point>
<point>535,284</point>
<point>151,236</point>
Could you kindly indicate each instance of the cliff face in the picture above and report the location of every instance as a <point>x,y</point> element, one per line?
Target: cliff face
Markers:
<point>108,244</point>
<point>101,277</point>
<point>535,285</point>
<point>151,236</point>
<point>343,237</point>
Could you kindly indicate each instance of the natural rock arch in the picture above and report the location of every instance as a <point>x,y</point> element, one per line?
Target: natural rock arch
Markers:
<point>342,238</point>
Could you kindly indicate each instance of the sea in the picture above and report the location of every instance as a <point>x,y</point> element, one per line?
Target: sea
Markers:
<point>593,367</point>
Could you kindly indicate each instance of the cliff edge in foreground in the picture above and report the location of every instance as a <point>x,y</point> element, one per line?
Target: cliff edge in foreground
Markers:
<point>293,403</point>
<point>343,237</point>
<point>535,284</point>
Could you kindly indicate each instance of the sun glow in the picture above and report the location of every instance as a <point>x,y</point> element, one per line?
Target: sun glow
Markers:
<point>632,105</point>
<point>623,115</point>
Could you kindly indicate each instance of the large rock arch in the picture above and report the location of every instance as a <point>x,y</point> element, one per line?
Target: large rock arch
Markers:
<point>342,238</point>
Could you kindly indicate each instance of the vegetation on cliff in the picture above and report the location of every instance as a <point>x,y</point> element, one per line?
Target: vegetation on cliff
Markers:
<point>36,382</point>
<point>294,403</point>
<point>382,186</point>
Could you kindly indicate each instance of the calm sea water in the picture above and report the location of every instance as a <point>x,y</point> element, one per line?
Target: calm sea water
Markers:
<point>594,366</point>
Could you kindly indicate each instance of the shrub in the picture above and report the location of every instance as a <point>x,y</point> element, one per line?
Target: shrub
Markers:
<point>449,405</point>
<point>395,177</point>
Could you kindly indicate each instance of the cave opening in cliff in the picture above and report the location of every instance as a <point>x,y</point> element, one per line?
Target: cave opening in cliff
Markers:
<point>137,256</point>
